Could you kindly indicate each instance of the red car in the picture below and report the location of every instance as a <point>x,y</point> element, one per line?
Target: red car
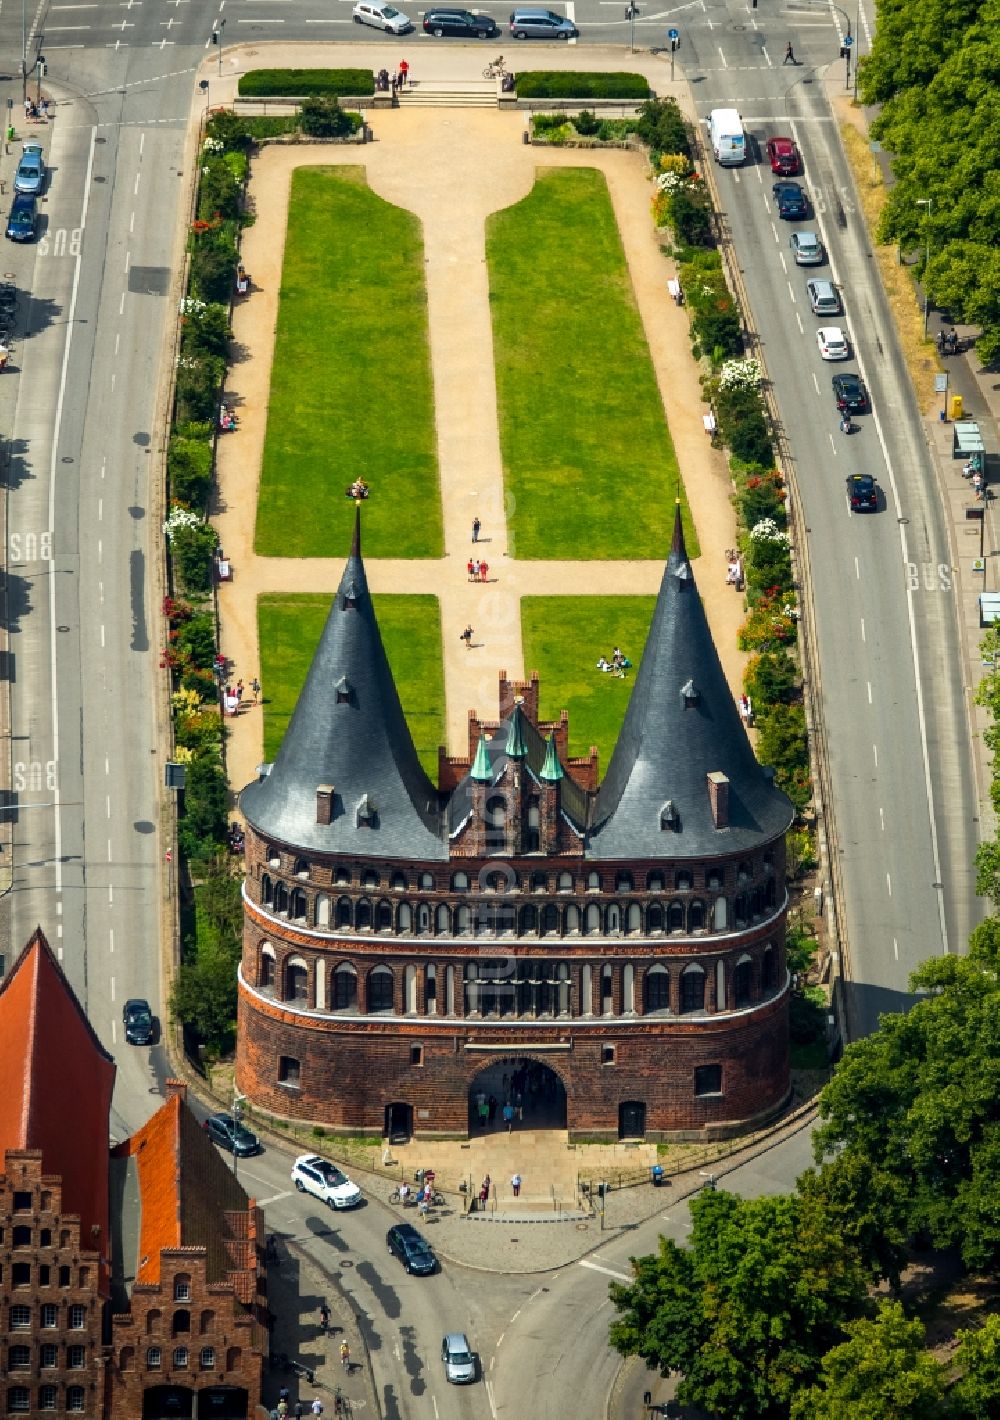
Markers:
<point>783,156</point>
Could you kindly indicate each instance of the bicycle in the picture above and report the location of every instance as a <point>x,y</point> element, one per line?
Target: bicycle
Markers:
<point>496,69</point>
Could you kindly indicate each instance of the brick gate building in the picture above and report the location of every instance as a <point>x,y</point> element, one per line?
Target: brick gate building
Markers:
<point>619,943</point>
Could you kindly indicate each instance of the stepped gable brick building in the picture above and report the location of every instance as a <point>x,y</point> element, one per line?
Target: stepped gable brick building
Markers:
<point>612,951</point>
<point>188,1333</point>
<point>56,1081</point>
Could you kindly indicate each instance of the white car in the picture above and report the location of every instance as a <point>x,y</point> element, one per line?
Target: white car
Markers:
<point>381,17</point>
<point>324,1181</point>
<point>832,343</point>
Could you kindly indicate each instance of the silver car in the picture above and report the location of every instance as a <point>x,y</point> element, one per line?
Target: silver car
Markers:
<point>806,248</point>
<point>459,1362</point>
<point>824,298</point>
<point>30,174</point>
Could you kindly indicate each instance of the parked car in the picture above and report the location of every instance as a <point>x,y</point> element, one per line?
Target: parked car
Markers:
<point>138,1020</point>
<point>850,393</point>
<point>381,17</point>
<point>413,1251</point>
<point>459,1362</point>
<point>862,493</point>
<point>783,156</point>
<point>324,1181</point>
<point>541,24</point>
<point>230,1134</point>
<point>22,221</point>
<point>791,200</point>
<point>30,174</point>
<point>460,22</point>
<point>824,298</point>
<point>832,343</point>
<point>806,248</point>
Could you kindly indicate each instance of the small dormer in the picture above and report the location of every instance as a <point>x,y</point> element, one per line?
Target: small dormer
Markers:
<point>690,695</point>
<point>670,819</point>
<point>344,691</point>
<point>350,595</point>
<point>366,813</point>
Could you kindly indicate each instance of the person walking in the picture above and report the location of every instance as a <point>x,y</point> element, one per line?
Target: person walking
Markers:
<point>324,1318</point>
<point>317,1406</point>
<point>467,638</point>
<point>297,1412</point>
<point>508,1116</point>
<point>471,568</point>
<point>484,567</point>
<point>515,1184</point>
<point>475,569</point>
<point>789,54</point>
<point>404,72</point>
<point>255,687</point>
<point>476,525</point>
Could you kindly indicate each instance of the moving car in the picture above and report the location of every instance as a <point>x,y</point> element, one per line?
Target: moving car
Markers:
<point>791,200</point>
<point>806,248</point>
<point>862,493</point>
<point>140,1027</point>
<point>460,22</point>
<point>832,343</point>
<point>23,218</point>
<point>324,1181</point>
<point>534,23</point>
<point>783,156</point>
<point>381,17</point>
<point>850,393</point>
<point>824,298</point>
<point>230,1134</point>
<point>413,1251</point>
<point>30,174</point>
<point>459,1362</point>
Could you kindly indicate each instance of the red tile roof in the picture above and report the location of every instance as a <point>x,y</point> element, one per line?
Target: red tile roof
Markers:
<point>157,1156</point>
<point>56,1081</point>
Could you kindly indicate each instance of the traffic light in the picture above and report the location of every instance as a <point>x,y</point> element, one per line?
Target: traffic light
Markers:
<point>215,36</point>
<point>674,42</point>
<point>845,52</point>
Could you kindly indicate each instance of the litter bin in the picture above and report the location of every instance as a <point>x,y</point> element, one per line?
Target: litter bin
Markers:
<point>656,1175</point>
<point>955,407</point>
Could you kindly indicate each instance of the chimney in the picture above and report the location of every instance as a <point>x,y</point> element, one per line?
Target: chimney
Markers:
<point>176,1088</point>
<point>324,803</point>
<point>718,798</point>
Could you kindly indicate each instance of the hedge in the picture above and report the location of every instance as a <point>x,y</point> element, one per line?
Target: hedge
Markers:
<point>556,84</point>
<point>306,83</point>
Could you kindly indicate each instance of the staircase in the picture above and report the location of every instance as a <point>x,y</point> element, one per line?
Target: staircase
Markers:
<point>450,93</point>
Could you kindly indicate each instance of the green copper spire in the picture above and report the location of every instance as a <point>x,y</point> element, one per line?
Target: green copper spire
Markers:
<point>516,746</point>
<point>481,768</point>
<point>551,769</point>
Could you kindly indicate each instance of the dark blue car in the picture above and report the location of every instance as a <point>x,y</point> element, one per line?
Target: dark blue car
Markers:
<point>23,218</point>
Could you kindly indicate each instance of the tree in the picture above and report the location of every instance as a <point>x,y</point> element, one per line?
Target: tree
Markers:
<point>202,828</point>
<point>191,550</point>
<point>323,118</point>
<point>882,1372</point>
<point>977,1391</point>
<point>747,1311</point>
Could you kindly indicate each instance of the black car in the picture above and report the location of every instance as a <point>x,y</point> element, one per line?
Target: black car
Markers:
<point>22,221</point>
<point>850,393</point>
<point>230,1134</point>
<point>460,22</point>
<point>140,1026</point>
<point>791,201</point>
<point>862,493</point>
<point>413,1252</point>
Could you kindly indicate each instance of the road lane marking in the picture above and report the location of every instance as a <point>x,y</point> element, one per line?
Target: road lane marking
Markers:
<point>881,817</point>
<point>608,1271</point>
<point>275,1198</point>
<point>888,883</point>
<point>489,1397</point>
<point>875,753</point>
<point>869,692</point>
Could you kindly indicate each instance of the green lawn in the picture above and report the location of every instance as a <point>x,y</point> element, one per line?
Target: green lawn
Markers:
<point>588,458</point>
<point>563,637</point>
<point>289,628</point>
<point>351,393</point>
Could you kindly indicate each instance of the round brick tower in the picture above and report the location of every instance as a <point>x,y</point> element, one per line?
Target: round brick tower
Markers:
<point>611,956</point>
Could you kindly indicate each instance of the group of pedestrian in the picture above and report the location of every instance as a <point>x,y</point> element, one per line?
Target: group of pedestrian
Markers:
<point>384,81</point>
<point>947,342</point>
<point>486,1108</point>
<point>478,570</point>
<point>297,1409</point>
<point>34,111</point>
<point>233,696</point>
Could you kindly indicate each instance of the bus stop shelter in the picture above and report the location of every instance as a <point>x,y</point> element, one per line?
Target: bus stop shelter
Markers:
<point>967,443</point>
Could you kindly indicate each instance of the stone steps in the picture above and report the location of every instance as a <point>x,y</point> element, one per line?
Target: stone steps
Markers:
<point>444,93</point>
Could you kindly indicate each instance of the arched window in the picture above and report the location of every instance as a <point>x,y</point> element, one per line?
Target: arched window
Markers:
<point>423,918</point>
<point>769,969</point>
<point>713,880</point>
<point>534,840</point>
<point>573,919</point>
<point>425,882</point>
<point>741,908</point>
<point>442,920</point>
<point>404,918</point>
<point>301,868</point>
<point>280,897</point>
<point>266,889</point>
<point>181,1324</point>
<point>550,920</point>
<point>593,882</point>
<point>539,882</point>
<point>430,988</point>
<point>496,812</point>
<point>696,916</point>
<point>273,855</point>
<point>654,917</point>
<point>744,872</point>
<point>363,914</point>
<point>460,882</point>
<point>471,987</point>
<point>692,988</point>
<point>721,914</point>
<point>380,984</point>
<point>383,916</point>
<point>614,920</point>
<point>449,990</point>
<point>180,1358</point>
<point>322,913</point>
<point>463,919</point>
<point>683,881</point>
<point>341,874</point>
<point>592,918</point>
<point>562,988</point>
<point>345,987</point>
<point>656,989</point>
<point>655,882</point>
<point>344,913</point>
<point>369,879</point>
<point>624,882</point>
<point>528,923</point>
<point>675,916</point>
<point>266,969</point>
<point>410,990</point>
<point>398,882</point>
<point>742,982</point>
<point>586,990</point>
<point>564,883</point>
<point>607,989</point>
<point>633,918</point>
<point>628,988</point>
<point>296,981</point>
<point>297,905</point>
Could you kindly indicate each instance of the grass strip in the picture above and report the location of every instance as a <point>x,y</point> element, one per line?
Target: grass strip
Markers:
<point>588,460</point>
<point>289,627</point>
<point>351,393</point>
<point>563,637</point>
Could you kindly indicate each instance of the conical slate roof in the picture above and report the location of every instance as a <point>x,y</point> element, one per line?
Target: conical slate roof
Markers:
<point>682,724</point>
<point>348,731</point>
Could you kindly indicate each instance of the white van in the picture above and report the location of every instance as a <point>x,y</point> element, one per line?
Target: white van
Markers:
<point>729,142</point>
<point>381,17</point>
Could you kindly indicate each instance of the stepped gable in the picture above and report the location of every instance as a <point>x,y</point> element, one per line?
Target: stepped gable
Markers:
<point>347,756</point>
<point>682,726</point>
<point>56,1080</point>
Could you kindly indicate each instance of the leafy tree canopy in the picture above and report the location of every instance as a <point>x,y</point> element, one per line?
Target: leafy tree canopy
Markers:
<point>882,1372</point>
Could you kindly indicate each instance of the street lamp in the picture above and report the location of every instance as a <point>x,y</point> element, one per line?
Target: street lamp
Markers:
<point>846,44</point>
<point>927,202</point>
<point>217,39</point>
<point>630,15</point>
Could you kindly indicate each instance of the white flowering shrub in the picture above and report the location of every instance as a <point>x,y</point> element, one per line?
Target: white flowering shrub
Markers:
<point>744,373</point>
<point>192,306</point>
<point>767,530</point>
<point>214,145</point>
<point>180,518</point>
